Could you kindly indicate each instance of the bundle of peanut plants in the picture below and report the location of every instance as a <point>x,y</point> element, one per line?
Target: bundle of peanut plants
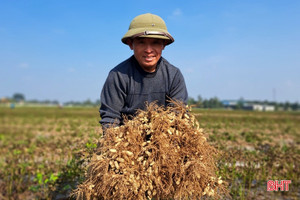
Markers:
<point>160,153</point>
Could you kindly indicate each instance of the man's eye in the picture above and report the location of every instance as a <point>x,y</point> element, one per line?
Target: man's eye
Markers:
<point>157,42</point>
<point>141,41</point>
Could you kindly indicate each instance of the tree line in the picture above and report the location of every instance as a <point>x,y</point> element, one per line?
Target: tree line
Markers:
<point>216,103</point>
<point>199,102</point>
<point>20,98</point>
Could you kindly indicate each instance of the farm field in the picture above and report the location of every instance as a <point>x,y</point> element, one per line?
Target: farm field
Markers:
<point>44,151</point>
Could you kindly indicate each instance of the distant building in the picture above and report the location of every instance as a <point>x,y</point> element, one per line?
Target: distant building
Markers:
<point>259,107</point>
<point>269,108</point>
<point>256,107</point>
<point>4,100</point>
<point>233,104</point>
<point>229,103</point>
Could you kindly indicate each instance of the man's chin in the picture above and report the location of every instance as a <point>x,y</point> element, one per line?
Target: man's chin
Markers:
<point>149,68</point>
<point>149,64</point>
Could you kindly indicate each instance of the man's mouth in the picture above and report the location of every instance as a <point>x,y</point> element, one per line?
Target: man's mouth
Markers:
<point>149,58</point>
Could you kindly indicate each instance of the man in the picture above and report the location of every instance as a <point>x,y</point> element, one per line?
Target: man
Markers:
<point>144,77</point>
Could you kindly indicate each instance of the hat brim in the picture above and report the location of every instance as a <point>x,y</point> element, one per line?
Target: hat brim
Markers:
<point>132,33</point>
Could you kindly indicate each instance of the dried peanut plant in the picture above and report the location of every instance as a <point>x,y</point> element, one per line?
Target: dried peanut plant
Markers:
<point>161,153</point>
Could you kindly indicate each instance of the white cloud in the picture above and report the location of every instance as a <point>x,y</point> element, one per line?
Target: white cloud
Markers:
<point>189,70</point>
<point>71,69</point>
<point>177,12</point>
<point>26,78</point>
<point>215,61</point>
<point>23,65</point>
<point>289,84</point>
<point>90,64</point>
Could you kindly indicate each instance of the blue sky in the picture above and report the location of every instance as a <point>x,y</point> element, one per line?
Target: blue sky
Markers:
<point>63,50</point>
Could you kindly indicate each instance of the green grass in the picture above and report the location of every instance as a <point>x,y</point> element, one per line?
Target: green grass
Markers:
<point>44,151</point>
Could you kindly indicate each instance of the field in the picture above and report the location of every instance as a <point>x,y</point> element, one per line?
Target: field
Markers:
<point>44,151</point>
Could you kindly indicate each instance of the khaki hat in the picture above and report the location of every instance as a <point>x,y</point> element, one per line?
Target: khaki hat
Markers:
<point>148,25</point>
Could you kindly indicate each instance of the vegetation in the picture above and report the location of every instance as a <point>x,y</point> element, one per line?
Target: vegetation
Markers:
<point>214,102</point>
<point>19,99</point>
<point>45,151</point>
<point>159,154</point>
<point>239,104</point>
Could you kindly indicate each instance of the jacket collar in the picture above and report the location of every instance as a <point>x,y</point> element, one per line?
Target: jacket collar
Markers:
<point>143,72</point>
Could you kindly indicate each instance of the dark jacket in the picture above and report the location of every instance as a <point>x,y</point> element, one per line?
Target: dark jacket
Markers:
<point>128,87</point>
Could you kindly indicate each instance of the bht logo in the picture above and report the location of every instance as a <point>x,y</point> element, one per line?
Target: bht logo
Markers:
<point>275,185</point>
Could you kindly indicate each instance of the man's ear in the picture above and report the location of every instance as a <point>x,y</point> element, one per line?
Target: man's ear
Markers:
<point>130,43</point>
<point>165,44</point>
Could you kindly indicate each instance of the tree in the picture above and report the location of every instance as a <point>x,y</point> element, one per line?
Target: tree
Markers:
<point>214,103</point>
<point>191,101</point>
<point>295,106</point>
<point>287,105</point>
<point>18,97</point>
<point>240,103</point>
<point>87,102</point>
<point>199,102</point>
<point>205,103</point>
<point>98,102</point>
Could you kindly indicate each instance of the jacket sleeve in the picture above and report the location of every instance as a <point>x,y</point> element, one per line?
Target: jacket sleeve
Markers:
<point>112,100</point>
<point>178,89</point>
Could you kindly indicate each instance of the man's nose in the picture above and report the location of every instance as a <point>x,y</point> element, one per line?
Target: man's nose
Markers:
<point>148,48</point>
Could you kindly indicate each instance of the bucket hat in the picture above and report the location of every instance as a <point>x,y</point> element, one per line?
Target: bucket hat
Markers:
<point>150,26</point>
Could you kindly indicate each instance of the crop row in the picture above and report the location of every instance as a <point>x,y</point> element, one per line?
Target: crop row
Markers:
<point>44,151</point>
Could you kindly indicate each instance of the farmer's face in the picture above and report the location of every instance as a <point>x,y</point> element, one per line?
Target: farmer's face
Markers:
<point>147,51</point>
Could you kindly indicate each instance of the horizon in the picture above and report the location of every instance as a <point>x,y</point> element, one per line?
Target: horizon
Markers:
<point>203,99</point>
<point>64,50</point>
